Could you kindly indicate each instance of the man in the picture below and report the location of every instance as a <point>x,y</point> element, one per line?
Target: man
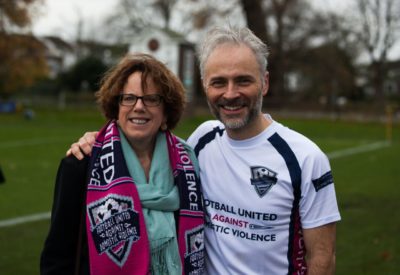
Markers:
<point>268,190</point>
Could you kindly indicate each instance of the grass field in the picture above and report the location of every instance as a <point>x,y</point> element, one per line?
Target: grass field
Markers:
<point>367,185</point>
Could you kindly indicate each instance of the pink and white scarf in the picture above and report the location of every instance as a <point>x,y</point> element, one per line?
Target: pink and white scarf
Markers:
<point>117,237</point>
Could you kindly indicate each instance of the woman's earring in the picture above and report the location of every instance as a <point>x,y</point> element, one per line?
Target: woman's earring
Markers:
<point>164,126</point>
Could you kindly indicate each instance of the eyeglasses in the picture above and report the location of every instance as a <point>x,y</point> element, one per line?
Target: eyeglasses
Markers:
<point>151,100</point>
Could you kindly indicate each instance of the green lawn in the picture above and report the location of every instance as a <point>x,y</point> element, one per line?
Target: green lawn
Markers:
<point>367,185</point>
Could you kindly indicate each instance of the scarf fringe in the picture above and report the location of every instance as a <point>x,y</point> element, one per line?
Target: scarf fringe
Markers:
<point>160,259</point>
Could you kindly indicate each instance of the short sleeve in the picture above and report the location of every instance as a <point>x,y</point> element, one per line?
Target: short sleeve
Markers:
<point>318,204</point>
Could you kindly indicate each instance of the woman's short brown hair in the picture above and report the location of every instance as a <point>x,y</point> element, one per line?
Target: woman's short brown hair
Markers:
<point>170,86</point>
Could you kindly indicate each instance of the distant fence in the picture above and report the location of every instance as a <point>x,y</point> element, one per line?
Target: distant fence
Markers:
<point>354,112</point>
<point>56,101</point>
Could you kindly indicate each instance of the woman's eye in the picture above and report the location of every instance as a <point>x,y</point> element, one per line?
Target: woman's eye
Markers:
<point>151,99</point>
<point>129,98</point>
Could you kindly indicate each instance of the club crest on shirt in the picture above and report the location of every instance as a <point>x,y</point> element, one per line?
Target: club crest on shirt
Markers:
<point>114,226</point>
<point>262,179</point>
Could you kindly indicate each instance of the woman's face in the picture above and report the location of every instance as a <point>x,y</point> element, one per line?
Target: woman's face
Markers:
<point>140,123</point>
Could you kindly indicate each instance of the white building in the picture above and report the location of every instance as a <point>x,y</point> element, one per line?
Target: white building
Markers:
<point>174,51</point>
<point>60,55</point>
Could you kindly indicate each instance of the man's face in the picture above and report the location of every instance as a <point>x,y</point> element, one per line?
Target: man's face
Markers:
<point>234,86</point>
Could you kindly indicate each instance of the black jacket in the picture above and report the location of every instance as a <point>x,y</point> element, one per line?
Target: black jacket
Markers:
<point>65,250</point>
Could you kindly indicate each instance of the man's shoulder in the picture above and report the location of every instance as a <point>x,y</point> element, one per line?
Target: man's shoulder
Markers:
<point>209,125</point>
<point>293,136</point>
<point>204,134</point>
<point>302,146</point>
<point>205,128</point>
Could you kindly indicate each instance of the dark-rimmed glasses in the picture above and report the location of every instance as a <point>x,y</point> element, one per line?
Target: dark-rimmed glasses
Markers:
<point>151,100</point>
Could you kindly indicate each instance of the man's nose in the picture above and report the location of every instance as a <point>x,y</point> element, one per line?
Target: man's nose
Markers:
<point>232,91</point>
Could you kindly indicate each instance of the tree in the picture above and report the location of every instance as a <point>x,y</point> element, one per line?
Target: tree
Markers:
<point>16,14</point>
<point>253,9</point>
<point>290,26</point>
<point>164,8</point>
<point>378,30</point>
<point>191,18</point>
<point>132,17</point>
<point>199,16</point>
<point>278,10</point>
<point>21,55</point>
<point>294,29</point>
<point>329,76</point>
<point>22,63</point>
<point>84,75</point>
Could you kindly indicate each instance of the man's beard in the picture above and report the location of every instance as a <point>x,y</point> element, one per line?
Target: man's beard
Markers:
<point>236,123</point>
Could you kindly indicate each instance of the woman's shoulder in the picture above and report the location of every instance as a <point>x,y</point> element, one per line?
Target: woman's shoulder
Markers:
<point>71,160</point>
<point>70,166</point>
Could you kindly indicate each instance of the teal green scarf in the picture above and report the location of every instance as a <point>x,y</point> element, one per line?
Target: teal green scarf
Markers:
<point>159,198</point>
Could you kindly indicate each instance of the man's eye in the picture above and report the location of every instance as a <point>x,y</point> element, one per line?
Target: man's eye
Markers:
<point>244,81</point>
<point>217,83</point>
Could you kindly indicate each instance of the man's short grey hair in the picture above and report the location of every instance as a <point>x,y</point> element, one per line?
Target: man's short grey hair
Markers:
<point>233,35</point>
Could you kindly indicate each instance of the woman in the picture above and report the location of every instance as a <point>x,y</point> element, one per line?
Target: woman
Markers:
<point>134,206</point>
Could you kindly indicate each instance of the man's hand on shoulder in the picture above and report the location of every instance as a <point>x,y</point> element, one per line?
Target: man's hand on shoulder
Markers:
<point>83,146</point>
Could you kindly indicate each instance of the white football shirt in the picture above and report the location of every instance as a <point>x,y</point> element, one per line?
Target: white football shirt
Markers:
<point>259,194</point>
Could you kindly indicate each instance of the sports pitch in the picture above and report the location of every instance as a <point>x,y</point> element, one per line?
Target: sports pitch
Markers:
<point>365,168</point>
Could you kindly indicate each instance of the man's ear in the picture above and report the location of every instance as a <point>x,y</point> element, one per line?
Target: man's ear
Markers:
<point>266,84</point>
<point>203,82</point>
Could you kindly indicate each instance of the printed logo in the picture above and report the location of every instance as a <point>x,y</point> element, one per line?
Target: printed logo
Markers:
<point>195,240</point>
<point>114,226</point>
<point>263,179</point>
<point>323,181</point>
<point>194,256</point>
<point>259,227</point>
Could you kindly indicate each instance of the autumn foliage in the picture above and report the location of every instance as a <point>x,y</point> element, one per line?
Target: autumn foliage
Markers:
<point>22,56</point>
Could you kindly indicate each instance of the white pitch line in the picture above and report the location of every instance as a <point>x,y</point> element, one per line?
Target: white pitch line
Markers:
<point>332,155</point>
<point>358,149</point>
<point>25,219</point>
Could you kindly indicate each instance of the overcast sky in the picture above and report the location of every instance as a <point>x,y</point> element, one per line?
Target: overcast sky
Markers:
<point>60,17</point>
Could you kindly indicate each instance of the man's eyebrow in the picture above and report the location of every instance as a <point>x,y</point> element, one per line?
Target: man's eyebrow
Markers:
<point>214,78</point>
<point>235,78</point>
<point>244,76</point>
